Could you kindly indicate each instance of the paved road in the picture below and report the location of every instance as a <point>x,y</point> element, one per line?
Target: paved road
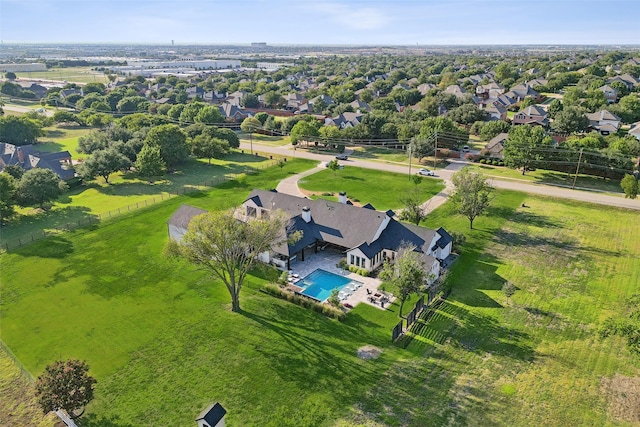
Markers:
<point>21,109</point>
<point>445,174</point>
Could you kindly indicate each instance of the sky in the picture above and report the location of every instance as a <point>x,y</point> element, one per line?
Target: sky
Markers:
<point>330,22</point>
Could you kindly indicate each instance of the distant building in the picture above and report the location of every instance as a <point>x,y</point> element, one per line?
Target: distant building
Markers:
<point>259,44</point>
<point>22,68</point>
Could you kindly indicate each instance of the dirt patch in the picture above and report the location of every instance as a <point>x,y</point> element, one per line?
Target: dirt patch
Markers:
<point>623,396</point>
<point>369,352</point>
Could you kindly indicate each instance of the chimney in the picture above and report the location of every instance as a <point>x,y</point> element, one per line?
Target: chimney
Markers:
<point>20,155</point>
<point>342,197</point>
<point>306,214</point>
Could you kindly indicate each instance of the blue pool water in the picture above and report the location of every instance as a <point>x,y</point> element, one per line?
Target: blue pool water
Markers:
<point>320,283</point>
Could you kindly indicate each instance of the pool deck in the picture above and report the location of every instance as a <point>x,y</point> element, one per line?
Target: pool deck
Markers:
<point>328,260</point>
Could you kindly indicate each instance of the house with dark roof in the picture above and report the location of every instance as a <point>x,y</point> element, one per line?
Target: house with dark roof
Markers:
<point>178,223</point>
<point>496,112</point>
<point>27,158</point>
<point>627,79</point>
<point>212,416</point>
<point>520,92</point>
<point>344,120</point>
<point>365,235</point>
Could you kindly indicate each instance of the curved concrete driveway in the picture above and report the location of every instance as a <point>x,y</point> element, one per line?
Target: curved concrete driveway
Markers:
<point>290,185</point>
<point>446,174</point>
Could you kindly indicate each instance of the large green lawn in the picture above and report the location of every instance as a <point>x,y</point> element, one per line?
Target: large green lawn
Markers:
<point>382,189</point>
<point>163,343</point>
<point>70,74</point>
<point>552,177</point>
<point>127,191</point>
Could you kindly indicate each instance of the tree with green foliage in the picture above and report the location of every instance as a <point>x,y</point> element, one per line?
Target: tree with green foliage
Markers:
<point>569,120</point>
<point>10,75</point>
<point>38,186</point>
<point>554,108</point>
<point>103,163</point>
<point>466,114</point>
<point>65,385</point>
<point>334,298</point>
<point>204,146</point>
<point>406,273</point>
<point>629,185</point>
<point>521,149</point>
<point>209,114</point>
<point>472,194</point>
<point>191,110</point>
<point>8,196</point>
<point>99,120</point>
<point>249,100</point>
<point>250,125</point>
<point>15,171</point>
<point>412,210</point>
<point>149,161</point>
<point>303,131</point>
<point>62,116</point>
<point>19,130</point>
<point>172,143</point>
<point>494,128</point>
<point>262,117</point>
<point>333,165</point>
<point>228,248</point>
<point>508,289</point>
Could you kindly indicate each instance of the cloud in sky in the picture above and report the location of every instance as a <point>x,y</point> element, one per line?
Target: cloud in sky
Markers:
<point>351,15</point>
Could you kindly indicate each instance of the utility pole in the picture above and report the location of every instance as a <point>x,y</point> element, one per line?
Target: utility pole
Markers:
<point>410,155</point>
<point>577,170</point>
<point>435,152</point>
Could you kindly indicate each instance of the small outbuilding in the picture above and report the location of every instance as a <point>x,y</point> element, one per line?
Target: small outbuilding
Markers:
<point>179,221</point>
<point>212,416</point>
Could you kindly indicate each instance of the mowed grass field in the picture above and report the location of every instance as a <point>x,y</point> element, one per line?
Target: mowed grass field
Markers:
<point>163,343</point>
<point>382,189</point>
<point>69,74</point>
<point>127,190</point>
<point>552,177</point>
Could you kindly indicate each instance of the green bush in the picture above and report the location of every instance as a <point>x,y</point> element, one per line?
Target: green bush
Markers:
<point>494,162</point>
<point>327,194</point>
<point>500,163</point>
<point>325,309</point>
<point>361,271</point>
<point>483,161</point>
<point>342,264</point>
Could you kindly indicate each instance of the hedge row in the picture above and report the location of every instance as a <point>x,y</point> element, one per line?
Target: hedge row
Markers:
<point>327,310</point>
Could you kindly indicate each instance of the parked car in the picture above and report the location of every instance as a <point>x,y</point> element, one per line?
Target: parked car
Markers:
<point>426,172</point>
<point>465,148</point>
<point>342,157</point>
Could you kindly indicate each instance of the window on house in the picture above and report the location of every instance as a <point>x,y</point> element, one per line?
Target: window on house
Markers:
<point>352,260</point>
<point>251,211</point>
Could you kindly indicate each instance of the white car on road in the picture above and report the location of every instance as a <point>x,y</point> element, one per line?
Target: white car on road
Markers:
<point>426,172</point>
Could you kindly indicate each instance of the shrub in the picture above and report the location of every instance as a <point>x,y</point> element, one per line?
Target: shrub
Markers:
<point>361,271</point>
<point>500,163</point>
<point>324,309</point>
<point>342,264</point>
<point>327,194</point>
<point>494,162</point>
<point>483,161</point>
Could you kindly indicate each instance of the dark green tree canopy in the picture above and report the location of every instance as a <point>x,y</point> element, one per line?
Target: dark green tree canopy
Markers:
<point>38,186</point>
<point>171,141</point>
<point>65,385</point>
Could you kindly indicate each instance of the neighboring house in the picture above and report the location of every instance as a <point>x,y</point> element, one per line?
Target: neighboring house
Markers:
<point>214,97</point>
<point>610,94</point>
<point>344,120</point>
<point>39,90</point>
<point>604,122</point>
<point>67,92</point>
<point>27,158</point>
<point>456,90</point>
<point>195,91</point>
<point>635,130</point>
<point>537,82</point>
<point>505,101</point>
<point>424,88</point>
<point>520,92</point>
<point>294,101</point>
<point>324,98</point>
<point>212,416</point>
<point>532,115</point>
<point>489,91</point>
<point>179,221</point>
<point>496,112</point>
<point>365,235</point>
<point>233,112</point>
<point>360,106</point>
<point>496,145</point>
<point>627,79</point>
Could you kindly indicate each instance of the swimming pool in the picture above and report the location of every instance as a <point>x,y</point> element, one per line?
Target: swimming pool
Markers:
<point>320,283</point>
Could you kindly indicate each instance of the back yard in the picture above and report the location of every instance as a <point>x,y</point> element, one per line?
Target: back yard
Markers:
<point>162,342</point>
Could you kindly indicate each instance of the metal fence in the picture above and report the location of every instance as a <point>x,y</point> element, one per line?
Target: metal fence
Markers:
<point>94,219</point>
<point>25,371</point>
<point>398,331</point>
